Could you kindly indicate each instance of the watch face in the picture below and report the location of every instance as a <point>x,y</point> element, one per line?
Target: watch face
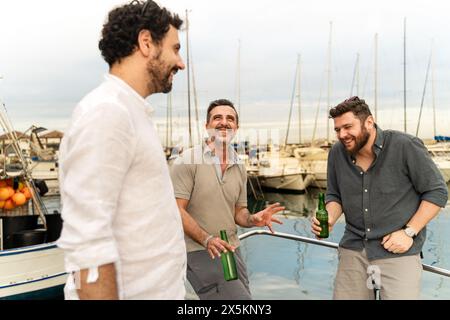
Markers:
<point>410,232</point>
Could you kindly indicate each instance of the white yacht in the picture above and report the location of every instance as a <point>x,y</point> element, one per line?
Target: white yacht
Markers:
<point>279,171</point>
<point>440,153</point>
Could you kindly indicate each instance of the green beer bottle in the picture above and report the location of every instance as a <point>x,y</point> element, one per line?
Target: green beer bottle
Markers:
<point>228,262</point>
<point>322,216</point>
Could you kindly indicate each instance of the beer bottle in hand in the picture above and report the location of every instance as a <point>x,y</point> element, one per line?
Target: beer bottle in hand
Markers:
<point>322,216</point>
<point>228,262</point>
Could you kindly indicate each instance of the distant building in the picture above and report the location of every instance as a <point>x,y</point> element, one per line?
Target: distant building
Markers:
<point>51,139</point>
<point>6,147</point>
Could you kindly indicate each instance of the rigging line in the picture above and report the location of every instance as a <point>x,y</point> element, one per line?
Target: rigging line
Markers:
<point>424,91</point>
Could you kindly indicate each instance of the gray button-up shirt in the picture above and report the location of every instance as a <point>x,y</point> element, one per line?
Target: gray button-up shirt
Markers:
<point>385,197</point>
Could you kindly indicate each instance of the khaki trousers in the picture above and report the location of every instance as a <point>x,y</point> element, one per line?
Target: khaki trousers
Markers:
<point>399,278</point>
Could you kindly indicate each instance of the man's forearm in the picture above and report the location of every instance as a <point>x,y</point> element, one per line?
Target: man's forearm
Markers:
<point>426,212</point>
<point>243,218</point>
<point>104,288</point>
<point>334,211</point>
<point>192,229</point>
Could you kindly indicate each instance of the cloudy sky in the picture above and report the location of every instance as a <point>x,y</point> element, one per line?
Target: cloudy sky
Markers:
<point>49,58</point>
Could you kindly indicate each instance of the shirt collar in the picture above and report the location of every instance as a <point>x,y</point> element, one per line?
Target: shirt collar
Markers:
<point>142,103</point>
<point>379,141</point>
<point>232,155</point>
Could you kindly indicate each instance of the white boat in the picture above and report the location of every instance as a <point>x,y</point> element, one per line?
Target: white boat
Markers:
<point>33,272</point>
<point>31,265</point>
<point>279,172</point>
<point>46,170</point>
<point>440,153</point>
<point>314,160</point>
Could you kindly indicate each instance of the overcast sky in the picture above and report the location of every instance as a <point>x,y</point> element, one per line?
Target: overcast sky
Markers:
<point>49,58</point>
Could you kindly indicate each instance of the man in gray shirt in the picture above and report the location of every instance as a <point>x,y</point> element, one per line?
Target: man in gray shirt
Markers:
<point>210,184</point>
<point>388,188</point>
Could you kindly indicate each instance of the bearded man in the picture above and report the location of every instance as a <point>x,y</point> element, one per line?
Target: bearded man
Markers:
<point>389,189</point>
<point>210,185</point>
<point>122,235</point>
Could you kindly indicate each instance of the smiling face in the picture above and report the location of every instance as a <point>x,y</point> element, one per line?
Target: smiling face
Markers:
<point>352,132</point>
<point>222,124</point>
<point>165,63</point>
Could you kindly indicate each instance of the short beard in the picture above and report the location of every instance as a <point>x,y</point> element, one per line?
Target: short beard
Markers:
<point>160,75</point>
<point>360,141</point>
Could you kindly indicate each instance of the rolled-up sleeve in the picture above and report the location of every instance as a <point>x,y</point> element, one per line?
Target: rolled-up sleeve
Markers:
<point>333,194</point>
<point>95,158</point>
<point>424,174</point>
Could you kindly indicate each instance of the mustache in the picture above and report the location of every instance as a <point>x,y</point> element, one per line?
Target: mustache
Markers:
<point>222,127</point>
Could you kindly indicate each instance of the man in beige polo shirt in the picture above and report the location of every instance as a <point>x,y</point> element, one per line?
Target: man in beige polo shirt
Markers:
<point>211,191</point>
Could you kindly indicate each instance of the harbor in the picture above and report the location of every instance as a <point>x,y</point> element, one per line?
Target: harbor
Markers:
<point>268,86</point>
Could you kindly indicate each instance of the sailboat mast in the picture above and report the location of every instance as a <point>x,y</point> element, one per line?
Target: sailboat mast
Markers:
<point>329,82</point>
<point>404,75</point>
<point>170,108</point>
<point>188,79</point>
<point>194,88</point>
<point>292,106</point>
<point>299,90</point>
<point>167,123</point>
<point>376,78</point>
<point>238,79</point>
<point>434,97</point>
<point>355,77</point>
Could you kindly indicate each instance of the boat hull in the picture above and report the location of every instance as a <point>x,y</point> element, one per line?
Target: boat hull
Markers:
<point>35,272</point>
<point>294,182</point>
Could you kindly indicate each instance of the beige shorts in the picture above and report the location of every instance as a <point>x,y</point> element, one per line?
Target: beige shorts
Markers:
<point>398,278</point>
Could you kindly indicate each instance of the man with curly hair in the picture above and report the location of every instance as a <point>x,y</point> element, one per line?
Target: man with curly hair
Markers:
<point>122,234</point>
<point>389,189</point>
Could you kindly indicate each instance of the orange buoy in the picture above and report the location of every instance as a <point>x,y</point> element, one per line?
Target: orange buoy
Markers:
<point>4,194</point>
<point>19,199</point>
<point>3,183</point>
<point>26,192</point>
<point>9,204</point>
<point>11,191</point>
<point>2,204</point>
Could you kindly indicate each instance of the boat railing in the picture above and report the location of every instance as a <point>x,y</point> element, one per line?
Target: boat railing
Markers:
<point>333,245</point>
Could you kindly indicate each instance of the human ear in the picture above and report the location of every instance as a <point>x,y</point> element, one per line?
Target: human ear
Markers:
<point>145,43</point>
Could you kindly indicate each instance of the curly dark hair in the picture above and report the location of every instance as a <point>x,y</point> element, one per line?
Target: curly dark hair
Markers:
<point>220,102</point>
<point>121,30</point>
<point>355,105</point>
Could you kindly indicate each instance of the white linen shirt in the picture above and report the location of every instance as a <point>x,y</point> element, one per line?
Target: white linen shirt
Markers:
<point>118,203</point>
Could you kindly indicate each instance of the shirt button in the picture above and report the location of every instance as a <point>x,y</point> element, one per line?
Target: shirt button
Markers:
<point>366,190</point>
<point>366,210</point>
<point>361,173</point>
<point>368,230</point>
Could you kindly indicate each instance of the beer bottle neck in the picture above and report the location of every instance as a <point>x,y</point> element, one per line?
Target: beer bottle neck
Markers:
<point>321,201</point>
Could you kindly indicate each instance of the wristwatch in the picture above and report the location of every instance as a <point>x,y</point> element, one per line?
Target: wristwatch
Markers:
<point>410,232</point>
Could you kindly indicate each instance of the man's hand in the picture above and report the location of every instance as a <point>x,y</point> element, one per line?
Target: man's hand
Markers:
<point>397,242</point>
<point>265,217</point>
<point>216,246</point>
<point>315,226</point>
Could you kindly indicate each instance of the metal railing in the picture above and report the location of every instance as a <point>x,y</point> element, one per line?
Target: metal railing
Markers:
<point>333,245</point>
